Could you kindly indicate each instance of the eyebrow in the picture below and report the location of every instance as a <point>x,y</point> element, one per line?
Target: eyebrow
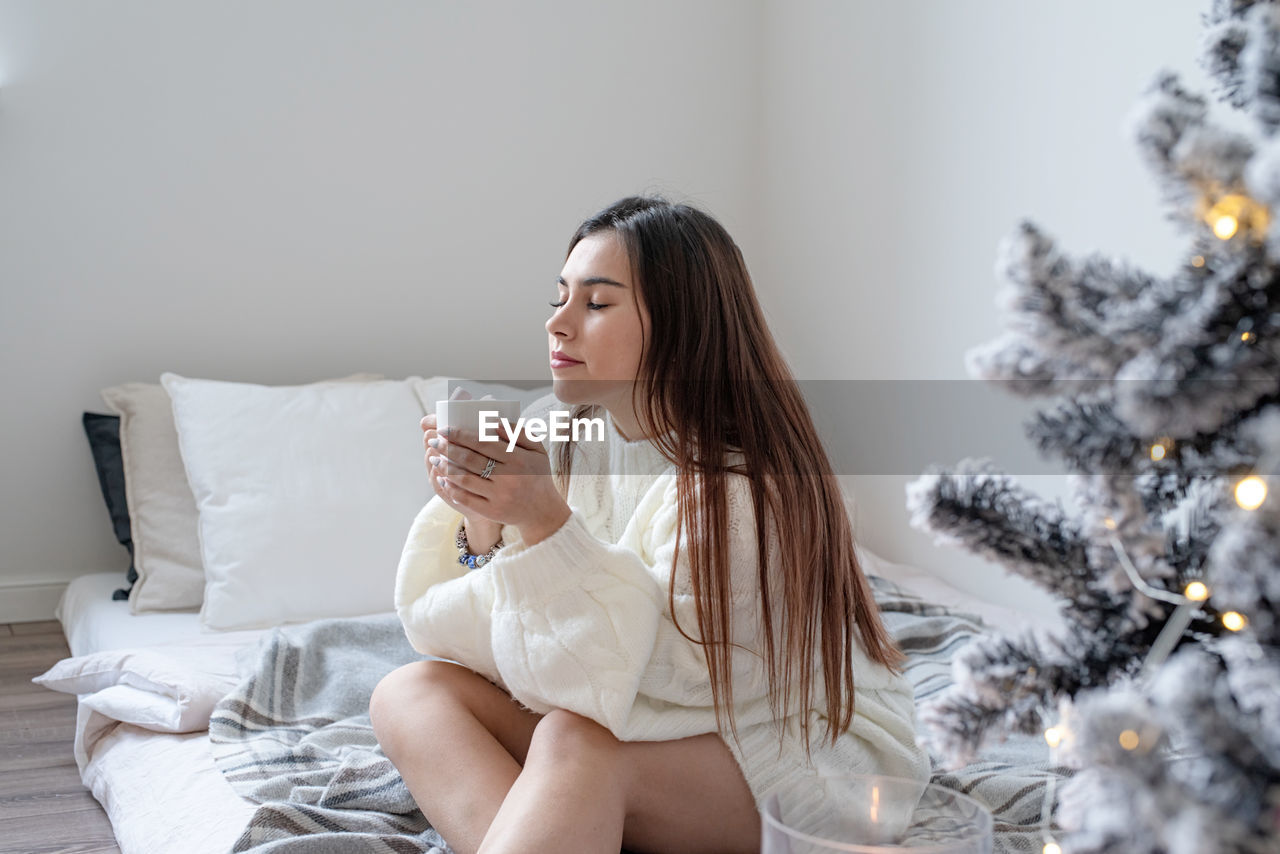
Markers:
<point>592,280</point>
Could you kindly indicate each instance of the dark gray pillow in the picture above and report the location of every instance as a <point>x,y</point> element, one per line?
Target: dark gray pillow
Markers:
<point>104,440</point>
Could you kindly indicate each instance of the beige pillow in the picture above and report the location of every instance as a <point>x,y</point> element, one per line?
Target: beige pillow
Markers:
<point>162,510</point>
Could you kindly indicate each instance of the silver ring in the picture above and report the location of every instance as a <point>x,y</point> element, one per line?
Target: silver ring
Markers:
<point>488,468</point>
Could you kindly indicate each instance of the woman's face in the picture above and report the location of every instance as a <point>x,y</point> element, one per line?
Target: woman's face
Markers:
<point>597,332</point>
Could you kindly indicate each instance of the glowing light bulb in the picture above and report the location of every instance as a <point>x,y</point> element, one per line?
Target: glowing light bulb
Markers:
<point>1197,261</point>
<point>1157,452</point>
<point>1196,591</point>
<point>1251,492</point>
<point>1246,336</point>
<point>1053,735</point>
<point>1234,621</point>
<point>1110,523</point>
<point>1129,740</point>
<point>1052,848</point>
<point>1234,212</point>
<point>1225,227</point>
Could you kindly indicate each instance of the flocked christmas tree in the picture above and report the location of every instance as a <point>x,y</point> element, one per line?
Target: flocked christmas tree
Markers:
<point>1163,400</point>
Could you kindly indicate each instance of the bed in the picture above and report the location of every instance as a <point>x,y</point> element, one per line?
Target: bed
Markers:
<point>163,791</point>
<point>218,725</point>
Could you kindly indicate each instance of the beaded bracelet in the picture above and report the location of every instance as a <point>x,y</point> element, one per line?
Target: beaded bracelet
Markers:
<point>464,549</point>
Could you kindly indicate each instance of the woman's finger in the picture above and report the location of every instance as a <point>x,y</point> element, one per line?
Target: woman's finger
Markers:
<point>459,497</point>
<point>458,464</point>
<point>466,458</point>
<point>474,484</point>
<point>441,467</point>
<point>469,439</point>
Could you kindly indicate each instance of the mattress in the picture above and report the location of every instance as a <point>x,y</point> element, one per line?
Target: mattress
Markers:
<point>93,621</point>
<point>161,791</point>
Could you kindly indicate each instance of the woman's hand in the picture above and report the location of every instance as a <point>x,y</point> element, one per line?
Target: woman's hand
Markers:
<point>519,491</point>
<point>482,533</point>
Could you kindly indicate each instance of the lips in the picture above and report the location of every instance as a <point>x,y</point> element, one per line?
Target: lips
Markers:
<point>560,360</point>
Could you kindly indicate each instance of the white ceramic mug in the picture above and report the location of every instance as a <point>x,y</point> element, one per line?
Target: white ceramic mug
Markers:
<point>465,414</point>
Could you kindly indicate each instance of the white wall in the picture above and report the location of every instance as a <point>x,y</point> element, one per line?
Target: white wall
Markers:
<point>904,140</point>
<point>284,191</point>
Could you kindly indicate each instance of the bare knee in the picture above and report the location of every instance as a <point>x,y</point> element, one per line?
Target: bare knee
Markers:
<point>406,684</point>
<point>403,695</point>
<point>565,737</point>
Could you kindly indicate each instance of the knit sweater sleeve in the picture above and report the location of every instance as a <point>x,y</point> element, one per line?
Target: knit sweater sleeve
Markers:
<point>566,623</point>
<point>574,624</point>
<point>442,612</point>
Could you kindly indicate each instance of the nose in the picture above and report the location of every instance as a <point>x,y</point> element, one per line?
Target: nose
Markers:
<point>559,323</point>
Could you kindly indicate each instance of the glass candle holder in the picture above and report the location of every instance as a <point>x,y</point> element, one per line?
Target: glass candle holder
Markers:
<point>876,815</point>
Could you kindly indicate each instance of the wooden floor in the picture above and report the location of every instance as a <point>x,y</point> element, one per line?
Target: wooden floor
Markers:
<point>43,806</point>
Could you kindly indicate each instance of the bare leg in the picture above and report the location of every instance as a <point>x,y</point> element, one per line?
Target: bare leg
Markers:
<point>458,741</point>
<point>582,790</point>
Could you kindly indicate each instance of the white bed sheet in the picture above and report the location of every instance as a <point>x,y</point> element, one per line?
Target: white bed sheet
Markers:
<point>93,621</point>
<point>161,791</point>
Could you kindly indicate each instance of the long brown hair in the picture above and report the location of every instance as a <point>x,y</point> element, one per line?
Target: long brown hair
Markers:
<point>703,313</point>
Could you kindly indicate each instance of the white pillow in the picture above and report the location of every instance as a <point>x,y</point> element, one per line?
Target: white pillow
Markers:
<point>304,494</point>
<point>163,520</point>
<point>140,687</point>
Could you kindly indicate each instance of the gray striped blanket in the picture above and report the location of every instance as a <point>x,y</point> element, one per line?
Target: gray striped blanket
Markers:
<point>295,737</point>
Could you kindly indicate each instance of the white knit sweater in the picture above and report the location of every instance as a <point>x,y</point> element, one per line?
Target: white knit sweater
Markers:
<point>581,621</point>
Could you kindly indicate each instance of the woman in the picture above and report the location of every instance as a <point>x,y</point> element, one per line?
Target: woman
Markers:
<point>642,662</point>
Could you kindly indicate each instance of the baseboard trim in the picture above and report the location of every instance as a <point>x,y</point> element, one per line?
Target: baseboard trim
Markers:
<point>29,601</point>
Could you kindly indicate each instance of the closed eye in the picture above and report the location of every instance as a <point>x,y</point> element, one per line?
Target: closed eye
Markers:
<point>593,306</point>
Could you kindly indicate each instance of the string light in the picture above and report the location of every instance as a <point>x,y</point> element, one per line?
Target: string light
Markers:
<point>1141,586</point>
<point>1053,735</point>
<point>1196,591</point>
<point>1129,740</point>
<point>1246,337</point>
<point>1110,523</point>
<point>1197,261</point>
<point>1251,492</point>
<point>1173,627</point>
<point>1161,447</point>
<point>1225,226</point>
<point>1234,621</point>
<point>1046,818</point>
<point>1233,212</point>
